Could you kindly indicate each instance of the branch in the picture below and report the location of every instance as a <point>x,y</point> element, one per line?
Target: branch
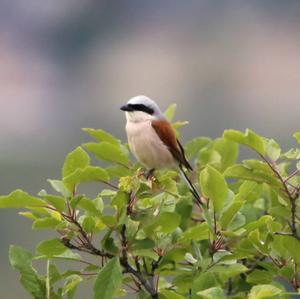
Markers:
<point>292,197</point>
<point>129,269</point>
<point>273,167</point>
<point>109,184</point>
<point>297,171</point>
<point>89,248</point>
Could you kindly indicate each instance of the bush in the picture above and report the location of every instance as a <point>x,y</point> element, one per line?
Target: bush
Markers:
<point>149,237</point>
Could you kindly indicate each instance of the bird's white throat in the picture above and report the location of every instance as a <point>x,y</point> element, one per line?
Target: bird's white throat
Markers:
<point>138,116</point>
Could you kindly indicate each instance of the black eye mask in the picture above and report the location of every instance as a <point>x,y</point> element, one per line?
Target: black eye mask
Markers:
<point>137,107</point>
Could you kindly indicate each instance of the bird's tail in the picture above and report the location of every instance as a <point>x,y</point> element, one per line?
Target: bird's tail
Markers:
<point>190,185</point>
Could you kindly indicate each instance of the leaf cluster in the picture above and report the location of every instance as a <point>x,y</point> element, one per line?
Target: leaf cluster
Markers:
<point>149,238</point>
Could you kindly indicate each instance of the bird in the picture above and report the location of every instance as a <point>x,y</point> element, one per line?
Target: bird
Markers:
<point>152,139</point>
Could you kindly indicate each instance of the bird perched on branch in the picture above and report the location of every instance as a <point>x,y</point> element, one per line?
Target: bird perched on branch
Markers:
<point>152,139</point>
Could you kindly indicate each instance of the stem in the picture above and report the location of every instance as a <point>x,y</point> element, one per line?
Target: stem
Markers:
<point>87,246</point>
<point>295,279</point>
<point>292,174</point>
<point>48,287</point>
<point>229,288</point>
<point>273,167</point>
<point>109,184</point>
<point>215,223</point>
<point>147,284</point>
<point>291,196</point>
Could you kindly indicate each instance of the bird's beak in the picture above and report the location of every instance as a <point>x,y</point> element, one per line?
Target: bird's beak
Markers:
<point>126,107</point>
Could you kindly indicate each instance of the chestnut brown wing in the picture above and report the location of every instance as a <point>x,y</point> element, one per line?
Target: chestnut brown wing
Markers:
<point>167,135</point>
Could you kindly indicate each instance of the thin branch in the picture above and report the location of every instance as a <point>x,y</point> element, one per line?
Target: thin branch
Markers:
<point>129,269</point>
<point>292,197</point>
<point>109,184</point>
<point>273,167</point>
<point>297,171</point>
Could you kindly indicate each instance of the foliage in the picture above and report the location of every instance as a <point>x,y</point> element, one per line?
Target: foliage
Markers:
<point>239,240</point>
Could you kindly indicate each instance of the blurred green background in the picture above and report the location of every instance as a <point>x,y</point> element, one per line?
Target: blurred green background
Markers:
<point>68,64</point>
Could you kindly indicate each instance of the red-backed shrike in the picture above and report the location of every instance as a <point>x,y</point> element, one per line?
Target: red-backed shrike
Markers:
<point>152,139</point>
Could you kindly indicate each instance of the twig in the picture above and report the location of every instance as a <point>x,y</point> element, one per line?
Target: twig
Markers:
<point>292,175</point>
<point>292,197</point>
<point>129,269</point>
<point>273,167</point>
<point>109,184</point>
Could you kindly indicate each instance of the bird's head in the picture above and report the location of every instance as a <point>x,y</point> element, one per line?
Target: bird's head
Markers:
<point>141,108</point>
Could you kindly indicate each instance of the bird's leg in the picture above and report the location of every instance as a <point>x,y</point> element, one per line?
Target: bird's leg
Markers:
<point>151,179</point>
<point>149,175</point>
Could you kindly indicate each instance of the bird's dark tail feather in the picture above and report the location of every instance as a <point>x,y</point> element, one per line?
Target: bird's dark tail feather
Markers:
<point>190,185</point>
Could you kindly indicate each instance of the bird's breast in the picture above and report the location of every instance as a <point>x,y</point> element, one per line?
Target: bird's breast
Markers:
<point>147,147</point>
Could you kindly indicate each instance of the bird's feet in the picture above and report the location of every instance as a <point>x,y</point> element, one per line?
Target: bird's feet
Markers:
<point>148,174</point>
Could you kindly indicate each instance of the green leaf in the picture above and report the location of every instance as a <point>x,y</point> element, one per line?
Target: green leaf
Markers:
<point>260,276</point>
<point>88,224</point>
<point>292,154</point>
<point>57,202</point>
<point>209,156</point>
<point>170,112</point>
<point>230,212</point>
<point>212,293</point>
<point>228,151</point>
<point>45,223</point>
<point>67,255</point>
<point>249,191</point>
<point>70,285</point>
<point>255,238</point>
<point>184,208</point>
<point>108,152</point>
<point>21,260</point>
<point>76,159</point>
<point>109,220</point>
<point>228,271</point>
<point>297,136</point>
<point>86,175</point>
<point>293,246</point>
<point>249,138</point>
<point>28,215</point>
<point>101,135</point>
<point>146,253</point>
<point>19,199</point>
<point>214,186</point>
<point>205,280</point>
<point>118,171</point>
<point>196,233</point>
<point>51,248</point>
<point>109,280</point>
<point>273,149</point>
<point>264,291</point>
<point>120,200</point>
<point>171,294</point>
<point>91,206</point>
<point>54,274</point>
<point>241,172</point>
<point>258,223</point>
<point>179,124</point>
<point>143,244</point>
<point>19,257</point>
<point>59,186</point>
<point>193,147</point>
<point>166,222</point>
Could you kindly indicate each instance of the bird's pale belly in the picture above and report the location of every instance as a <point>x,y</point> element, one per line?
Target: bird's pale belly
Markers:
<point>147,147</point>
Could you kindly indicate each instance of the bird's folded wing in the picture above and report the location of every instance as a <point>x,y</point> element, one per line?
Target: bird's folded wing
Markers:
<point>167,135</point>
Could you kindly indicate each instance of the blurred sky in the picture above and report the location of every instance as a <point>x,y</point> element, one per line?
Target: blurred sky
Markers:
<point>68,64</point>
